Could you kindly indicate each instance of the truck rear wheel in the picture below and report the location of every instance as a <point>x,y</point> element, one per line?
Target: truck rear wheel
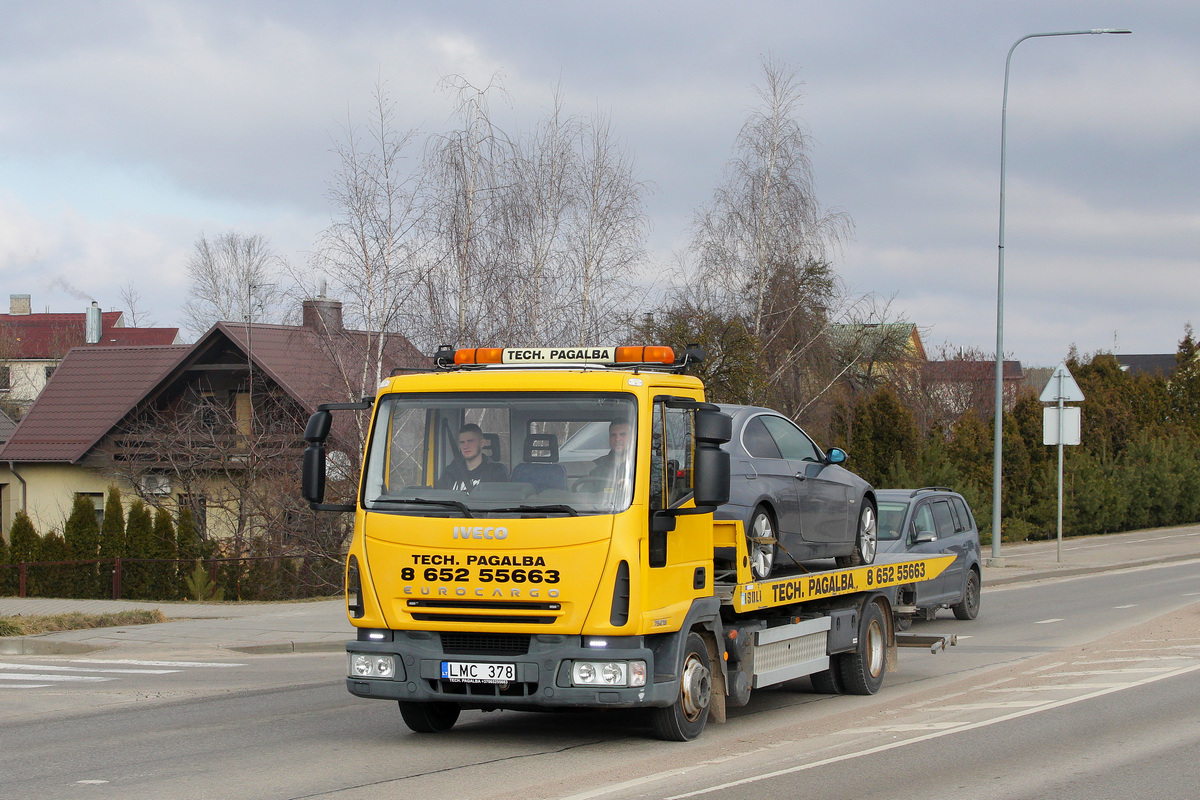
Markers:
<point>684,719</point>
<point>429,717</point>
<point>862,670</point>
<point>828,681</point>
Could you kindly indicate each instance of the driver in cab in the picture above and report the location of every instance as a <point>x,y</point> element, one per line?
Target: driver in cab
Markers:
<point>472,467</point>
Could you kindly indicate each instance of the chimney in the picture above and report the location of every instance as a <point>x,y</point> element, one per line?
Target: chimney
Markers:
<point>92,324</point>
<point>323,315</point>
<point>19,304</point>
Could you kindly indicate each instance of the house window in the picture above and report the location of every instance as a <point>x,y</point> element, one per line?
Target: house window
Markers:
<point>5,379</point>
<point>50,370</point>
<point>97,501</point>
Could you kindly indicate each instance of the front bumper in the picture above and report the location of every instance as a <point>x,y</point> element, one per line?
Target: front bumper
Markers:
<point>543,669</point>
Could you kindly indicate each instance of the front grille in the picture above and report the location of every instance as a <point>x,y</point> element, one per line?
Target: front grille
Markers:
<point>485,605</point>
<point>484,619</point>
<point>485,644</point>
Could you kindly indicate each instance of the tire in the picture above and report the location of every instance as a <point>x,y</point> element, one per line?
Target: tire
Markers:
<point>684,719</point>
<point>762,554</point>
<point>429,717</point>
<point>968,607</point>
<point>862,670</point>
<point>828,681</point>
<point>866,538</point>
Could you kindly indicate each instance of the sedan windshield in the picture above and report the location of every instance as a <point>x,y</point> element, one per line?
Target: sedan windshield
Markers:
<point>501,454</point>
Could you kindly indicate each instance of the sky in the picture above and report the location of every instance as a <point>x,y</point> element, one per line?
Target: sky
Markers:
<point>128,129</point>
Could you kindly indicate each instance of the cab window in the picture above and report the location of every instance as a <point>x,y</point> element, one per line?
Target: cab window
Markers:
<point>671,456</point>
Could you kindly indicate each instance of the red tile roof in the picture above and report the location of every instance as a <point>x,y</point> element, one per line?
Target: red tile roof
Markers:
<point>89,393</point>
<point>45,336</point>
<point>95,387</point>
<point>314,368</point>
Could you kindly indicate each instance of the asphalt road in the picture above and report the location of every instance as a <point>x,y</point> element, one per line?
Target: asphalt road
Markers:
<point>1076,687</point>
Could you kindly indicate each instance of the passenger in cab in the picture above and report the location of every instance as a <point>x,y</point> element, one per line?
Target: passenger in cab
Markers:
<point>472,467</point>
<point>612,465</point>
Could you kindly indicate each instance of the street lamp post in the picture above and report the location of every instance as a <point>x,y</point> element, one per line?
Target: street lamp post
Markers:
<point>998,438</point>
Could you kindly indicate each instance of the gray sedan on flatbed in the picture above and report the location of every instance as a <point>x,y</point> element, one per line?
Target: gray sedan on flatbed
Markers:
<point>795,500</point>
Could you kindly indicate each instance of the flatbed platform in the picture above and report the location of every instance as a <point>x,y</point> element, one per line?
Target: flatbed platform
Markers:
<point>744,594</point>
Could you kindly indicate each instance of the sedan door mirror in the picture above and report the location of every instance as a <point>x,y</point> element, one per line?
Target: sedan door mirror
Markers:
<point>924,537</point>
<point>836,455</point>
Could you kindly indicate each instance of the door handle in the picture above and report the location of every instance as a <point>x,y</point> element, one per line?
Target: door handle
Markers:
<point>800,476</point>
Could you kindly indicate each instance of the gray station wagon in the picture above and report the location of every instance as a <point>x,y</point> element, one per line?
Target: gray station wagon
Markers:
<point>930,521</point>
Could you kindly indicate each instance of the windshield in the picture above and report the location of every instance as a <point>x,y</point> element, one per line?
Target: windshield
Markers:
<point>891,518</point>
<point>501,454</point>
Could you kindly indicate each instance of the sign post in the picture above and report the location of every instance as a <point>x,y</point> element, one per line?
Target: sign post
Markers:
<point>1061,425</point>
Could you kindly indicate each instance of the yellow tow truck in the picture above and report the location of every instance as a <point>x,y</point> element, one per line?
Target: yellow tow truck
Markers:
<point>534,529</point>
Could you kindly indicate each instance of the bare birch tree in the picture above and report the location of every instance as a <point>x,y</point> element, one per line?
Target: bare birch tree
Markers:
<point>765,221</point>
<point>607,240</point>
<point>233,277</point>
<point>373,251</point>
<point>469,293</point>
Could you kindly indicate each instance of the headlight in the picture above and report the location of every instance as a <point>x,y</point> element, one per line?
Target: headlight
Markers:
<point>367,666</point>
<point>608,673</point>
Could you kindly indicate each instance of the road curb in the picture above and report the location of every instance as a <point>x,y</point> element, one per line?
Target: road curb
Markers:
<point>1067,572</point>
<point>37,646</point>
<point>276,648</point>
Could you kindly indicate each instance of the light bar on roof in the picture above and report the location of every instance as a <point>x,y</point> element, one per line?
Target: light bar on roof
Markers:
<point>607,356</point>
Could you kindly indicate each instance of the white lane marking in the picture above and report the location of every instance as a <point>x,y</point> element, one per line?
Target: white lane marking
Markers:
<point>23,685</point>
<point>1128,660</point>
<point>1002,704</point>
<point>93,782</point>
<point>899,728</point>
<point>61,678</point>
<point>1131,605</point>
<point>929,736</point>
<point>1057,686</point>
<point>155,663</point>
<point>49,668</point>
<point>1119,671</point>
<point>1048,621</point>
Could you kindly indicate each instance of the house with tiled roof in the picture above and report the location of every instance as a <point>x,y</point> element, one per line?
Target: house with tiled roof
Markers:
<point>33,344</point>
<point>172,422</point>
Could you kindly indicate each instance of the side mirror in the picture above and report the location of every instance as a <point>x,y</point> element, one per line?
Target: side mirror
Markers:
<point>925,536</point>
<point>312,479</point>
<point>836,455</point>
<point>317,429</point>
<point>713,429</point>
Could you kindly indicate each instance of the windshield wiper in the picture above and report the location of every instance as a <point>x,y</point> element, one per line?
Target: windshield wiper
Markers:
<point>421,501</point>
<point>553,507</point>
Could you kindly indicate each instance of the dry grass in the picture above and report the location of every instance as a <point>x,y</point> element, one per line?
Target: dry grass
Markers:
<point>21,625</point>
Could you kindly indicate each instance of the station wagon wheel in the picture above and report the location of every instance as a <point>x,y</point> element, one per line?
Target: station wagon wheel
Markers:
<point>968,608</point>
<point>866,539</point>
<point>760,544</point>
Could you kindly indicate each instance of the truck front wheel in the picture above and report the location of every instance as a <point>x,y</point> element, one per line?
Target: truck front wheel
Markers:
<point>862,670</point>
<point>429,717</point>
<point>684,719</point>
